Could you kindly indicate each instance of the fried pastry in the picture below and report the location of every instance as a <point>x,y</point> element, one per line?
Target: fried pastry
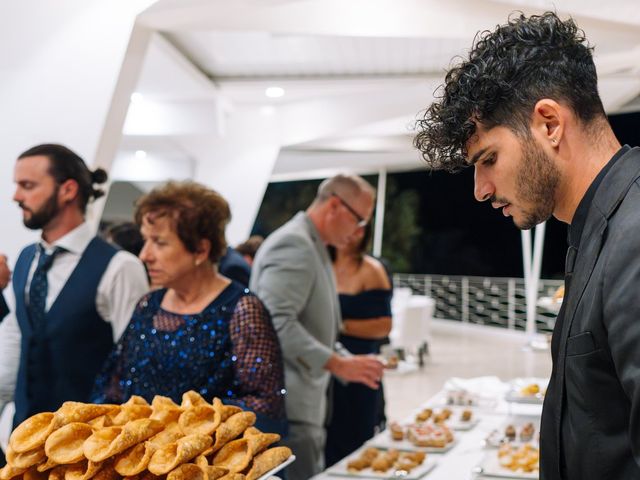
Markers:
<point>135,460</point>
<point>169,434</point>
<point>165,410</point>
<point>187,471</point>
<point>32,433</point>
<point>34,474</point>
<point>234,456</point>
<point>64,446</point>
<point>25,459</point>
<point>107,472</point>
<point>133,409</point>
<point>8,472</point>
<point>48,465</point>
<point>110,441</point>
<point>83,470</point>
<point>174,454</point>
<point>259,441</point>
<point>233,428</point>
<point>71,412</point>
<point>192,399</point>
<point>202,419</point>
<point>267,460</point>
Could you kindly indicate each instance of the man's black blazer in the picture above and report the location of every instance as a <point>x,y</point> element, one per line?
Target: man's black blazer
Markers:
<point>591,416</point>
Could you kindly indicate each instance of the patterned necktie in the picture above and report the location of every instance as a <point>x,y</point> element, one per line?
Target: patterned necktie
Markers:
<point>39,287</point>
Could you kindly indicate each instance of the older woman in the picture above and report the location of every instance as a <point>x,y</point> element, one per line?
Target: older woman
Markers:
<point>201,331</point>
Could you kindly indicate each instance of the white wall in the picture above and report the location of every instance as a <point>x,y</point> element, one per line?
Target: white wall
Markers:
<point>58,68</point>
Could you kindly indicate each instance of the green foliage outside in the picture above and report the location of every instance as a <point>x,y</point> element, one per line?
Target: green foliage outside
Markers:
<point>281,201</point>
<point>401,226</point>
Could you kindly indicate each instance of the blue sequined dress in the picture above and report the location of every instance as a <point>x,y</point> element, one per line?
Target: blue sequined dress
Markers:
<point>229,350</point>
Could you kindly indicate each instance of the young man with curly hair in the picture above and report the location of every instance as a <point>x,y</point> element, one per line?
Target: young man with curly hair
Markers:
<point>524,111</point>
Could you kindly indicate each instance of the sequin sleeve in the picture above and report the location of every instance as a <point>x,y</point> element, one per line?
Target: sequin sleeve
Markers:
<point>258,366</point>
<point>107,386</point>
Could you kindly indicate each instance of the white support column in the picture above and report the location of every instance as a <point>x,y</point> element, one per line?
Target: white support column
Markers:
<point>382,193</point>
<point>59,72</point>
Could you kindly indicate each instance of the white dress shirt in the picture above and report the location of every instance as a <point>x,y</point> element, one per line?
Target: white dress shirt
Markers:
<point>123,283</point>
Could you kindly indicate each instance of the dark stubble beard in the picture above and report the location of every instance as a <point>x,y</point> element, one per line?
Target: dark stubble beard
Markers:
<point>40,218</point>
<point>536,185</point>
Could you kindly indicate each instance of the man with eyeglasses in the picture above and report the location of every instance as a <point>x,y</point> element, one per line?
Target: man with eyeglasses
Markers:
<point>292,274</point>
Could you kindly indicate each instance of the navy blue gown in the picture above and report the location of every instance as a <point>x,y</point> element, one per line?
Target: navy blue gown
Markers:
<point>356,407</point>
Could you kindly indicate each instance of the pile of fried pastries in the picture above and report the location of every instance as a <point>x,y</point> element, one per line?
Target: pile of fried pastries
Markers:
<point>195,440</point>
<point>519,458</point>
<point>381,461</point>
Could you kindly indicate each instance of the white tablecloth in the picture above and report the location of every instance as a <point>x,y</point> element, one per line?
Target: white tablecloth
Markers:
<point>458,463</point>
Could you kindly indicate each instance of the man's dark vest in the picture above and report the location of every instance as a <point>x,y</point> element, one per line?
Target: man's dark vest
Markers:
<point>61,363</point>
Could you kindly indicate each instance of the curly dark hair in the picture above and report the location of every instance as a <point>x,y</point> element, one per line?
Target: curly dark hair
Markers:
<point>196,213</point>
<point>507,72</point>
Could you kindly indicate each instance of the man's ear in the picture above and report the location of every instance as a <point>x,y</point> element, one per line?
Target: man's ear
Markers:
<point>68,191</point>
<point>549,121</point>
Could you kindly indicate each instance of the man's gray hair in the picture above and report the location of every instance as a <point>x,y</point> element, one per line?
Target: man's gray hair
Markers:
<point>350,186</point>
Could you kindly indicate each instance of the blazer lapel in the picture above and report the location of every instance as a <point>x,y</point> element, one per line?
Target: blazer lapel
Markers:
<point>323,253</point>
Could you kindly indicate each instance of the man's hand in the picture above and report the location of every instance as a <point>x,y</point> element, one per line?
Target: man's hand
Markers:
<point>364,369</point>
<point>5,273</point>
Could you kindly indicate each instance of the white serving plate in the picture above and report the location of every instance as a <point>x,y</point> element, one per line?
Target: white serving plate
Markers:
<point>490,467</point>
<point>274,470</point>
<point>460,426</point>
<point>340,469</point>
<point>384,440</point>
<point>513,395</point>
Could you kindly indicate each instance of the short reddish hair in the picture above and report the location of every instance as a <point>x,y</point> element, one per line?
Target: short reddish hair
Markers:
<point>196,213</point>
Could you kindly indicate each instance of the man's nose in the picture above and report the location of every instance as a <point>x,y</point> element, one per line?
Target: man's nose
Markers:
<point>483,189</point>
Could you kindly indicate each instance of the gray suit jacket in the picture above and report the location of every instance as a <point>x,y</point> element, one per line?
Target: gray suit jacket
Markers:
<point>591,417</point>
<point>292,275</point>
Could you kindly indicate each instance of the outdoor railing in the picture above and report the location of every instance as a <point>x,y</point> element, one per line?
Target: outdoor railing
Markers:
<point>495,301</point>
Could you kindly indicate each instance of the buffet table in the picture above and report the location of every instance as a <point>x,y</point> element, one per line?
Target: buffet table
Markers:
<point>469,449</point>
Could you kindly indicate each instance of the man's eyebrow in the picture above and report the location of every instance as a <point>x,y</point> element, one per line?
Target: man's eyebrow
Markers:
<point>477,156</point>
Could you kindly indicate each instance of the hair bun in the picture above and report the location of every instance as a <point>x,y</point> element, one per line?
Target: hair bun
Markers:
<point>99,175</point>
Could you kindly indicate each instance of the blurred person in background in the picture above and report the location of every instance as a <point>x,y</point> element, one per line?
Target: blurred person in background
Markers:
<point>365,295</point>
<point>292,274</point>
<point>127,236</point>
<point>201,331</point>
<point>249,247</point>
<point>234,266</point>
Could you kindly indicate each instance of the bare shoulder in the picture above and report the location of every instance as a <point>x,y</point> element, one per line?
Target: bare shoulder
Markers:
<point>374,273</point>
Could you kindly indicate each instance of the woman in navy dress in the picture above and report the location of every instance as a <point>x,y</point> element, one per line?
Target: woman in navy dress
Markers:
<point>365,300</point>
<point>200,331</point>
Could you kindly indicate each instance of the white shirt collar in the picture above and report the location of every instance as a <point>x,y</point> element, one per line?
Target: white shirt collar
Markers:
<point>75,241</point>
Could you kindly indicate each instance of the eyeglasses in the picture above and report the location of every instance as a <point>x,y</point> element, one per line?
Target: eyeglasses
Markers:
<point>361,221</point>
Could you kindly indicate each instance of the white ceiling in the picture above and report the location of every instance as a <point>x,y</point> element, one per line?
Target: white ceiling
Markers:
<point>355,72</point>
